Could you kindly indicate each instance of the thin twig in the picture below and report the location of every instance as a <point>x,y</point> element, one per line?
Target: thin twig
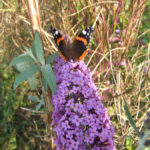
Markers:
<point>97,3</point>
<point>32,111</point>
<point>104,58</point>
<point>93,53</point>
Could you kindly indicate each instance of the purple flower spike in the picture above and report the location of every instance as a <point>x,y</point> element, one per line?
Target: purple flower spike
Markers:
<point>79,118</point>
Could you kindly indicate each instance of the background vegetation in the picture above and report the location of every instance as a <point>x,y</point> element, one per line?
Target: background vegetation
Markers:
<point>118,58</point>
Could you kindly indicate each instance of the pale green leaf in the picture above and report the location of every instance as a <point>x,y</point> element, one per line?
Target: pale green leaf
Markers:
<point>26,48</point>
<point>30,53</point>
<point>38,107</point>
<point>33,81</point>
<point>44,84</point>
<point>37,49</point>
<point>22,66</point>
<point>49,77</point>
<point>21,58</point>
<point>25,75</point>
<point>33,98</point>
<point>52,57</point>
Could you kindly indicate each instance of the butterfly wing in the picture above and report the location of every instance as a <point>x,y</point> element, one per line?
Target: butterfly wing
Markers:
<point>79,46</point>
<point>60,43</point>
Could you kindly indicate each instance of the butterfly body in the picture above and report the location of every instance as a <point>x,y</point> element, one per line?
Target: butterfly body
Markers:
<point>75,50</point>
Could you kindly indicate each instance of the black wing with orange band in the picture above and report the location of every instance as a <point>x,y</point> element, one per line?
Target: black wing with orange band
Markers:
<point>60,43</point>
<point>81,42</point>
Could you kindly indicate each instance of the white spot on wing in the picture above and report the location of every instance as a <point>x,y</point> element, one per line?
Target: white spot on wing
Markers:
<point>56,32</point>
<point>84,32</point>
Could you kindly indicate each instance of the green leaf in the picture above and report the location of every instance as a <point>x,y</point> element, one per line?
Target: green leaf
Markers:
<point>44,84</point>
<point>22,66</point>
<point>27,49</point>
<point>39,106</point>
<point>21,58</point>
<point>33,81</point>
<point>37,49</point>
<point>33,48</point>
<point>33,98</point>
<point>29,52</point>
<point>52,57</point>
<point>130,118</point>
<point>49,77</point>
<point>25,75</point>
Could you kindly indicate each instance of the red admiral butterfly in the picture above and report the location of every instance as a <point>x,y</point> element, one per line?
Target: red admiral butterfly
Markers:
<point>76,50</point>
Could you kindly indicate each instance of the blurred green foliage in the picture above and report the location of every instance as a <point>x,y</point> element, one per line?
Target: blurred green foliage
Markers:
<point>10,103</point>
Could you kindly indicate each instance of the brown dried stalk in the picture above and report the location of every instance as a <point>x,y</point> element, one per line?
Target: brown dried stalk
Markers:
<point>34,14</point>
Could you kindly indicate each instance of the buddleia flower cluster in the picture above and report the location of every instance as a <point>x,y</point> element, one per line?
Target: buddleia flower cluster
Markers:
<point>80,120</point>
